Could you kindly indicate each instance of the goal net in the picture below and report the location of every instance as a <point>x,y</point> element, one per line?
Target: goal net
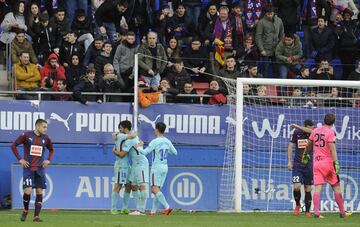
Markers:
<point>255,174</point>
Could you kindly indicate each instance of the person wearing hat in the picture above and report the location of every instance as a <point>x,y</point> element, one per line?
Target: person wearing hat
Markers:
<point>338,6</point>
<point>71,6</point>
<point>47,40</point>
<point>52,72</point>
<point>82,25</point>
<point>348,43</point>
<point>269,32</point>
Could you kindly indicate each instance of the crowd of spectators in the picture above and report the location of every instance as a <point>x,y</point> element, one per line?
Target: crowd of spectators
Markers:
<point>89,46</point>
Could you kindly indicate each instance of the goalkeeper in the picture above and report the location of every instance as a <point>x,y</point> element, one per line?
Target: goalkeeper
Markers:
<point>326,164</point>
<point>301,166</point>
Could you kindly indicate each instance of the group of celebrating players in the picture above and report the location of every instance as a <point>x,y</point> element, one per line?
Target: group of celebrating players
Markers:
<point>322,167</point>
<point>315,162</point>
<point>134,177</point>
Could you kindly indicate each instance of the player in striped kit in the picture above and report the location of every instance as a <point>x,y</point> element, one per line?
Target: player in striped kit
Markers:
<point>34,164</point>
<point>160,147</point>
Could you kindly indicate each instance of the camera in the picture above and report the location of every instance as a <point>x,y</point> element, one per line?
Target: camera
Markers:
<point>325,70</point>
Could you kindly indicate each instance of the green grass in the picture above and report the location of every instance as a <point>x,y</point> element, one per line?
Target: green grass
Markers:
<point>198,219</point>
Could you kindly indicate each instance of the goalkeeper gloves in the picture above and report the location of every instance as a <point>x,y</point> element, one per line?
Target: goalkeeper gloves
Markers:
<point>337,167</point>
<point>305,158</point>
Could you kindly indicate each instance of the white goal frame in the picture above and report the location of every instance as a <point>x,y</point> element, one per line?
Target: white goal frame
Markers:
<point>239,115</point>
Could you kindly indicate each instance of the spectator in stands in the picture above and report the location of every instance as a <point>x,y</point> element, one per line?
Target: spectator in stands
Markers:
<point>71,47</point>
<point>218,94</point>
<point>168,92</point>
<point>74,72</point>
<point>147,95</point>
<point>60,23</point>
<point>71,7</point>
<point>254,10</point>
<point>207,21</point>
<point>62,87</point>
<point>12,21</point>
<point>288,12</point>
<point>124,60</point>
<point>334,100</point>
<point>193,8</point>
<point>111,83</point>
<point>269,32</point>
<point>225,31</point>
<point>260,96</point>
<point>311,101</point>
<point>178,76</point>
<point>196,60</point>
<point>173,50</point>
<point>355,75</point>
<point>323,41</point>
<point>348,47</point>
<point>247,52</point>
<point>52,70</point>
<point>229,71</point>
<point>239,22</point>
<point>151,67</point>
<point>83,27</point>
<point>32,20</point>
<point>109,18</point>
<point>288,54</point>
<point>4,9</point>
<point>295,101</point>
<point>323,72</point>
<point>88,84</point>
<point>338,6</point>
<point>139,16</point>
<point>180,25</point>
<point>103,59</point>
<point>26,74</point>
<point>252,71</point>
<point>308,17</point>
<point>93,51</point>
<point>47,41</point>
<point>188,89</point>
<point>20,44</point>
<point>49,6</point>
<point>95,4</point>
<point>160,21</point>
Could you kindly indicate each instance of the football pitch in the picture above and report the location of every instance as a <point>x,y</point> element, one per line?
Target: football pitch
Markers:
<point>198,219</point>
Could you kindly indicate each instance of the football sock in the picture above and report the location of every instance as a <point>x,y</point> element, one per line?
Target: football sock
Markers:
<point>297,196</point>
<point>126,200</point>
<point>155,204</point>
<point>136,196</point>
<point>114,200</point>
<point>316,201</point>
<point>161,198</point>
<point>308,201</point>
<point>38,204</point>
<point>26,201</point>
<point>339,201</point>
<point>143,199</point>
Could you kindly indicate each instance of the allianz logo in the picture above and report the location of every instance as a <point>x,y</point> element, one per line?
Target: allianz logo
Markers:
<point>108,122</point>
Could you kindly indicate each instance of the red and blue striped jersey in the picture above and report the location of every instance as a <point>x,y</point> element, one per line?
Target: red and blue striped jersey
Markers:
<point>34,148</point>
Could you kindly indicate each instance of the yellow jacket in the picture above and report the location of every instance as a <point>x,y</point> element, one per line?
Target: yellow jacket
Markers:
<point>28,77</point>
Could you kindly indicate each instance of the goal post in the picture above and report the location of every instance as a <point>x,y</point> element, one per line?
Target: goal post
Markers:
<point>261,179</point>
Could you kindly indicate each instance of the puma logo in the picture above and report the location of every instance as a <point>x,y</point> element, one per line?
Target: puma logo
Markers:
<point>147,120</point>
<point>56,117</point>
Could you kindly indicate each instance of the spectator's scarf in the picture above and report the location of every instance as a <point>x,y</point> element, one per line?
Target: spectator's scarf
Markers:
<point>253,11</point>
<point>224,35</point>
<point>312,9</point>
<point>239,27</point>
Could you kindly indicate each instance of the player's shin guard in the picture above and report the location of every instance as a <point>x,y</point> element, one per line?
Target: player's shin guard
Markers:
<point>26,201</point>
<point>126,200</point>
<point>38,204</point>
<point>155,204</point>
<point>316,200</point>
<point>339,201</point>
<point>114,200</point>
<point>297,197</point>
<point>136,195</point>
<point>308,201</point>
<point>162,200</point>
